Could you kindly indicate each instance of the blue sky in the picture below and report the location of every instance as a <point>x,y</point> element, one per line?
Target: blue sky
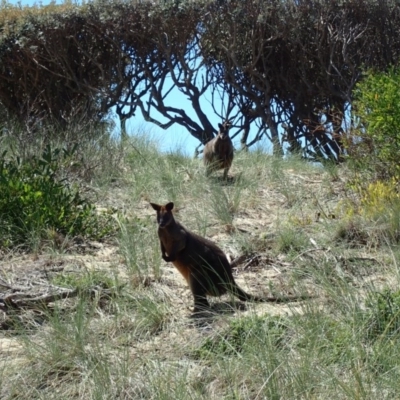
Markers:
<point>176,137</point>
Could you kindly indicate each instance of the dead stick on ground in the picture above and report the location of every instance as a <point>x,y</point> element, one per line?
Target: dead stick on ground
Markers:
<point>20,300</point>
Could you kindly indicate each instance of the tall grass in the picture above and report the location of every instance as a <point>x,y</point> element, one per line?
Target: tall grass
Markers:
<point>140,342</point>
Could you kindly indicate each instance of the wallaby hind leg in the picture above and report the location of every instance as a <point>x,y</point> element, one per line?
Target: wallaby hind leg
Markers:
<point>199,294</point>
<point>226,173</point>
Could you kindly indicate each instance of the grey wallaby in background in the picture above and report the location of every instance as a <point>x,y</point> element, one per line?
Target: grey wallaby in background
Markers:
<point>218,152</point>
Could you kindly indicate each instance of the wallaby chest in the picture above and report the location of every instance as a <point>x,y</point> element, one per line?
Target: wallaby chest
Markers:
<point>223,149</point>
<point>173,238</point>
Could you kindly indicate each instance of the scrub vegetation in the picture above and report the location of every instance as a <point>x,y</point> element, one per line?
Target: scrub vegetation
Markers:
<point>88,307</point>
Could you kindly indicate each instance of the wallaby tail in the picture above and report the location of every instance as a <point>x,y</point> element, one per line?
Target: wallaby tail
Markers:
<point>243,296</point>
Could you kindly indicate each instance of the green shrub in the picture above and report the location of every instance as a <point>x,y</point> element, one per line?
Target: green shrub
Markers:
<point>377,104</point>
<point>373,213</point>
<point>36,200</point>
<point>383,314</point>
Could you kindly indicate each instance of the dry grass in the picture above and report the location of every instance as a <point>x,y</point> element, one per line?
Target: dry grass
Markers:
<point>134,336</point>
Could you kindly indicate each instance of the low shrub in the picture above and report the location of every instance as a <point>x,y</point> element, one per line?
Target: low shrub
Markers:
<point>36,200</point>
<point>377,105</point>
<point>383,314</point>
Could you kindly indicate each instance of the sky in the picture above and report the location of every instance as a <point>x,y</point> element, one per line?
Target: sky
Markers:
<point>176,137</point>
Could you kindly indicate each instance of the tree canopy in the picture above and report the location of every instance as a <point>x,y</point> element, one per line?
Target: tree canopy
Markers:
<point>274,65</point>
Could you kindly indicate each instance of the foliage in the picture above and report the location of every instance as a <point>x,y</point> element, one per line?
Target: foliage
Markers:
<point>375,198</point>
<point>378,107</point>
<point>375,202</point>
<point>298,61</point>
<point>35,200</point>
<point>383,311</point>
<point>373,152</point>
<point>378,197</point>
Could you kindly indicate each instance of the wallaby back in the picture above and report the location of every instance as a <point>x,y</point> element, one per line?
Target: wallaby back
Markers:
<point>218,152</point>
<point>201,262</point>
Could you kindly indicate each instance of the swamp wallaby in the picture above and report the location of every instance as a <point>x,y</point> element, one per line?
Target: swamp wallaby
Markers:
<point>218,152</point>
<point>201,262</point>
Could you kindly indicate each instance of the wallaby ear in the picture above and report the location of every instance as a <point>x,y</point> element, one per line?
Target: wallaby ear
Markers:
<point>156,206</point>
<point>169,206</point>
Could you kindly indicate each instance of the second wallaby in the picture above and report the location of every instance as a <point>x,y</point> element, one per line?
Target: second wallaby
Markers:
<point>218,152</point>
<point>201,262</point>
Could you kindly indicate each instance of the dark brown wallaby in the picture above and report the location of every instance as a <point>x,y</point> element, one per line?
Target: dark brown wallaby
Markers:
<point>201,262</point>
<point>218,152</point>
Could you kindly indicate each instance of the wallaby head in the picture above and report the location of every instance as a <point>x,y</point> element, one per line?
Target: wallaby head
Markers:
<point>164,214</point>
<point>223,132</point>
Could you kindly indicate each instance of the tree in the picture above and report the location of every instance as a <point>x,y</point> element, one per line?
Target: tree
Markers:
<point>294,64</point>
<point>281,69</point>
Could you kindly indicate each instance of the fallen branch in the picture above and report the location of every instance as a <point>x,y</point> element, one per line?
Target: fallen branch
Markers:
<point>7,285</point>
<point>23,300</point>
<point>305,253</point>
<point>250,262</point>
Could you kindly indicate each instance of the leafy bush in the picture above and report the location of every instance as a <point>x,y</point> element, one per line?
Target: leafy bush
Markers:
<point>377,196</point>
<point>374,198</point>
<point>377,104</point>
<point>374,154</point>
<point>378,203</point>
<point>36,200</point>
